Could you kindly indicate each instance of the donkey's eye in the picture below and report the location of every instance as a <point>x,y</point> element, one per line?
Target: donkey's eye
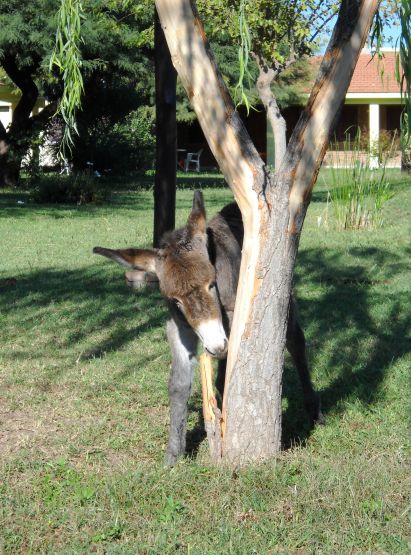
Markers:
<point>212,285</point>
<point>177,302</point>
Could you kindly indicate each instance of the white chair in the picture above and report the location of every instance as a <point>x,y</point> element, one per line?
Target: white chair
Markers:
<point>66,168</point>
<point>193,158</point>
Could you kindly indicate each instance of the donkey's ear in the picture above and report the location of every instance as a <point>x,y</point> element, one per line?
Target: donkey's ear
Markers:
<point>196,224</point>
<point>141,259</point>
<point>198,201</point>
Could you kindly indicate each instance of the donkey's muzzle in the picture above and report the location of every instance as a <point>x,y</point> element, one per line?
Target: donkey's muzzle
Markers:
<point>219,353</point>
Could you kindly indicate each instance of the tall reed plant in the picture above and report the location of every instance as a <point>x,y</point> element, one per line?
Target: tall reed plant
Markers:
<point>358,191</point>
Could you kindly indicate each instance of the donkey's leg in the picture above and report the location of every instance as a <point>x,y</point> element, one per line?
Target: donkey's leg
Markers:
<point>297,349</point>
<point>183,344</point>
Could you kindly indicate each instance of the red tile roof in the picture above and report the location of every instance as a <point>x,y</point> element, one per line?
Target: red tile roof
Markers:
<point>371,75</point>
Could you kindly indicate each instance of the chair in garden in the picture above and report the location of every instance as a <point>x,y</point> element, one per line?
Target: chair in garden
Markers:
<point>193,158</point>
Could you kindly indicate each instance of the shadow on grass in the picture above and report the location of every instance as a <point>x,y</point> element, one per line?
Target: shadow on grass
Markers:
<point>355,325</point>
<point>19,204</point>
<point>82,313</point>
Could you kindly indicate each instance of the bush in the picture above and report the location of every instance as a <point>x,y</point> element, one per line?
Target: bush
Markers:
<point>359,192</point>
<point>128,145</point>
<point>77,189</point>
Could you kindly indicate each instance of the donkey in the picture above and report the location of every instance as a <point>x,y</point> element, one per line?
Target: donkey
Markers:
<point>197,268</point>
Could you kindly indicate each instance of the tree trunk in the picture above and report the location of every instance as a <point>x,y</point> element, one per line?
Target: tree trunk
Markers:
<point>10,160</point>
<point>15,141</point>
<point>166,137</point>
<point>9,171</point>
<point>273,212</point>
<point>274,116</point>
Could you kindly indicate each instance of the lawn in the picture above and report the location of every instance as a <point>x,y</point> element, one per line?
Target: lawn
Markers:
<point>83,395</point>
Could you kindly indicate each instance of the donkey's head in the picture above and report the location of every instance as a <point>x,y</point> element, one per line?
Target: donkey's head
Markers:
<point>185,274</point>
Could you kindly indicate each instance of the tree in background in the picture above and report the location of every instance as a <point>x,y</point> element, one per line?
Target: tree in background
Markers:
<point>275,35</point>
<point>166,137</point>
<point>279,37</point>
<point>26,40</point>
<point>116,52</point>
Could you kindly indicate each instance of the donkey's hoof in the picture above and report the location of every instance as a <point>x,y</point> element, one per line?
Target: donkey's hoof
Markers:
<point>320,420</point>
<point>170,459</point>
<point>313,408</point>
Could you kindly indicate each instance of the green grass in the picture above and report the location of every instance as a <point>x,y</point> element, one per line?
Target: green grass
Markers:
<point>83,396</point>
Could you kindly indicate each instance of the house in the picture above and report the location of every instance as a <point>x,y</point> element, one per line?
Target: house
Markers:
<point>9,98</point>
<point>373,104</point>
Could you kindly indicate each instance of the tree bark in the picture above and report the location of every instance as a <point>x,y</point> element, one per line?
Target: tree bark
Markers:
<point>273,210</point>
<point>166,137</point>
<point>265,78</point>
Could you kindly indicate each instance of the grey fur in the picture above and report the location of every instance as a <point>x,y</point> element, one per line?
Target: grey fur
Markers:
<point>183,344</point>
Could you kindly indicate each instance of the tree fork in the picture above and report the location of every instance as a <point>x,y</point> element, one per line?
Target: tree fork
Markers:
<point>273,211</point>
<point>226,135</point>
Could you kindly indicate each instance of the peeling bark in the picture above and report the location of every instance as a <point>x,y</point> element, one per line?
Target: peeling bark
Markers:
<point>273,209</point>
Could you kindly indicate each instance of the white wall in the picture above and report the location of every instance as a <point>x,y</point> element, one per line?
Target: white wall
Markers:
<point>5,113</point>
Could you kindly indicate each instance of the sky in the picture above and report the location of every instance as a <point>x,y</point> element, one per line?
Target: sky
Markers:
<point>391,35</point>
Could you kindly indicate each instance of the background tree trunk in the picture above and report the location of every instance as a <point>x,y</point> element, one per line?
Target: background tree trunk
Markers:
<point>274,116</point>
<point>166,137</point>
<point>15,140</point>
<point>273,212</point>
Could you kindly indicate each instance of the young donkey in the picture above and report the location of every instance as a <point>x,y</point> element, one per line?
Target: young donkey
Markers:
<point>197,268</point>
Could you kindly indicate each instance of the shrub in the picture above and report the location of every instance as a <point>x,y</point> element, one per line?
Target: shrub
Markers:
<point>358,192</point>
<point>128,145</point>
<point>78,189</point>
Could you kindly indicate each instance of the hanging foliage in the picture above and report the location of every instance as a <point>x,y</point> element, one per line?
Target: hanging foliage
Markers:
<point>403,70</point>
<point>66,57</point>
<point>243,58</point>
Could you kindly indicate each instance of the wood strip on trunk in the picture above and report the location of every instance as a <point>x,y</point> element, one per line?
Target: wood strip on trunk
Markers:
<point>211,413</point>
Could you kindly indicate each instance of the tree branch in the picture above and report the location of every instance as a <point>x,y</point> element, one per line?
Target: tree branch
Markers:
<point>45,115</point>
<point>227,137</point>
<point>29,92</point>
<point>310,138</point>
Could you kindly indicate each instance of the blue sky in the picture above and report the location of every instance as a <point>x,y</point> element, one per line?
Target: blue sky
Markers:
<point>391,34</point>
